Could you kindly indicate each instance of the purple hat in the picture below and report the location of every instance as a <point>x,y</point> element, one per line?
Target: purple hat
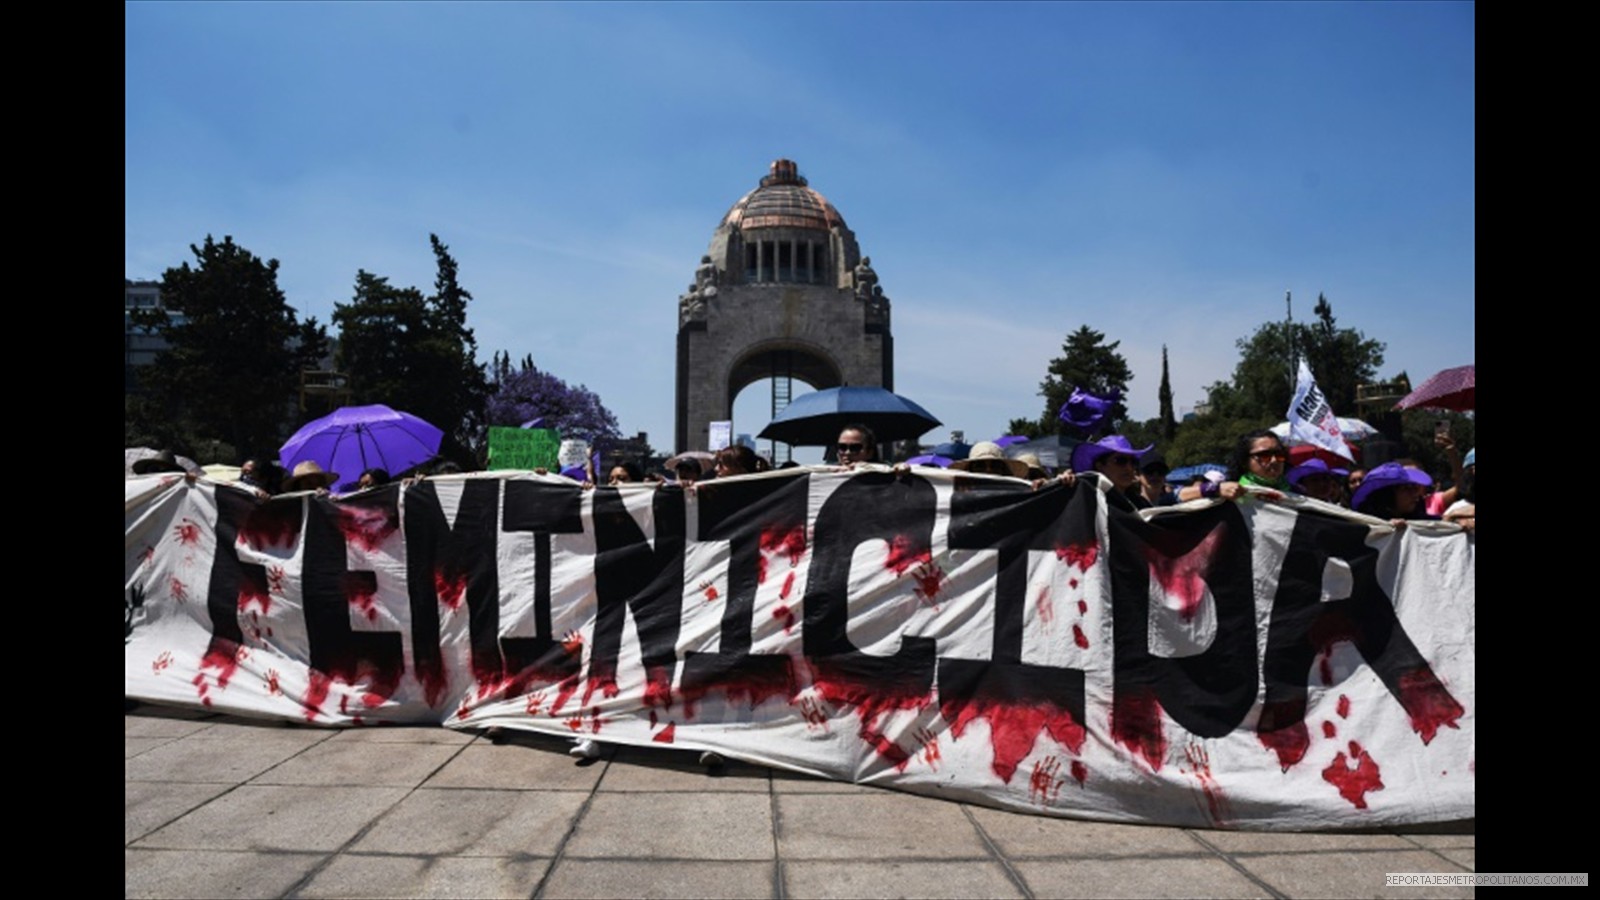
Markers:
<point>576,473</point>
<point>1084,455</point>
<point>1387,475</point>
<point>1084,410</point>
<point>1307,469</point>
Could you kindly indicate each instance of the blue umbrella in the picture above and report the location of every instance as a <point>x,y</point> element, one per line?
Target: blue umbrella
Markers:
<point>815,419</point>
<point>352,439</point>
<point>954,449</point>
<point>1183,474</point>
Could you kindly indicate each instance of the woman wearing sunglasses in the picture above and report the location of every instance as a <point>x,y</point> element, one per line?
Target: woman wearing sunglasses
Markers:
<point>1259,460</point>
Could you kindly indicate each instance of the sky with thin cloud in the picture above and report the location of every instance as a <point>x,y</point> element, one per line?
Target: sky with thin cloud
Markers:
<point>1161,172</point>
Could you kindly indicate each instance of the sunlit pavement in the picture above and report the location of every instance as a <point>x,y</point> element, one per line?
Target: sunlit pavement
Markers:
<point>221,806</point>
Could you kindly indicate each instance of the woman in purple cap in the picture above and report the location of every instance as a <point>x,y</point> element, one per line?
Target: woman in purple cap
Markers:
<point>1116,459</point>
<point>1315,480</point>
<point>1394,492</point>
<point>1258,461</point>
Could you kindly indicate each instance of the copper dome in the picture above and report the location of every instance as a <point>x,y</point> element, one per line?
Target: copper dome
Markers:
<point>783,201</point>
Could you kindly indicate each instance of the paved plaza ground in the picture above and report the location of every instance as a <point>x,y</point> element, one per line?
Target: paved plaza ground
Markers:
<point>219,806</point>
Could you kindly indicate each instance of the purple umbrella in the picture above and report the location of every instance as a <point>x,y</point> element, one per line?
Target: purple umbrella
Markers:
<point>930,459</point>
<point>352,439</point>
<point>1008,440</point>
<point>1454,389</point>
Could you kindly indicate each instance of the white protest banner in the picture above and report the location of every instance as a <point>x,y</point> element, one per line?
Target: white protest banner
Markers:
<point>1233,664</point>
<point>1311,419</point>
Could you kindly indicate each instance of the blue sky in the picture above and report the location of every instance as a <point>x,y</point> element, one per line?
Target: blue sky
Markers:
<point>1160,172</point>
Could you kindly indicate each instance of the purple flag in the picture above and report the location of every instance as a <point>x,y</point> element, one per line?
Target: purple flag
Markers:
<point>1084,410</point>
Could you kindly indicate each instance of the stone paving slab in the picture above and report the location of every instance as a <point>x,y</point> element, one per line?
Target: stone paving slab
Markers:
<point>1176,876</point>
<point>172,873</point>
<point>356,875</point>
<point>148,805</point>
<point>335,763</point>
<point>474,822</point>
<point>404,734</point>
<point>902,878</point>
<point>710,826</point>
<point>516,766</point>
<point>1022,837</point>
<point>272,817</point>
<point>884,826</point>
<point>221,761</point>
<point>604,878</point>
<point>226,806</point>
<point>1350,873</point>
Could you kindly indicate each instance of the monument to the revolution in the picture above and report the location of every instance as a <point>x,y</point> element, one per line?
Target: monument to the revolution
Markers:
<point>783,293</point>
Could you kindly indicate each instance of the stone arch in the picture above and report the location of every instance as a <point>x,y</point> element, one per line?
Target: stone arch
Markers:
<point>798,360</point>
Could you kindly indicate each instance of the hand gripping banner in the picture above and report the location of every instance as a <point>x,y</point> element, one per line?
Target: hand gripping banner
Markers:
<point>1252,664</point>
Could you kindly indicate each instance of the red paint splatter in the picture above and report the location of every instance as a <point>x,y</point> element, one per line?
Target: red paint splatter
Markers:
<point>275,576</point>
<point>450,588</point>
<point>273,687</point>
<point>653,719</point>
<point>1044,785</point>
<point>1083,605</point>
<point>344,704</point>
<point>1078,637</point>
<point>368,526</point>
<point>1325,667</point>
<point>785,615</point>
<point>1328,730</point>
<point>222,655</point>
<point>1080,555</point>
<point>594,719</point>
<point>788,585</point>
<point>575,723</point>
<point>535,700</point>
<point>187,532</point>
<point>360,591</point>
<point>788,542</point>
<point>1344,707</point>
<point>710,591</point>
<point>1136,724</point>
<point>871,701</point>
<point>178,590</point>
<point>929,743</point>
<point>1200,762</point>
<point>1080,772</point>
<point>929,578</point>
<point>1183,577</point>
<point>1428,704</point>
<point>317,691</point>
<point>161,662</point>
<point>147,555</point>
<point>270,524</point>
<point>667,735</point>
<point>253,591</point>
<point>1045,607</point>
<point>1289,741</point>
<point>572,643</point>
<point>1073,583</point>
<point>1354,783</point>
<point>657,689</point>
<point>1014,728</point>
<point>902,558</point>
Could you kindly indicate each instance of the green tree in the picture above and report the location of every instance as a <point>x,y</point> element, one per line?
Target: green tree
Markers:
<point>1027,427</point>
<point>1086,362</point>
<point>1264,378</point>
<point>235,352</point>
<point>1340,358</point>
<point>1169,422</point>
<point>416,353</point>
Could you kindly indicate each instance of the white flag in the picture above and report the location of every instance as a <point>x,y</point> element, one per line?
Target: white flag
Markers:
<point>1311,419</point>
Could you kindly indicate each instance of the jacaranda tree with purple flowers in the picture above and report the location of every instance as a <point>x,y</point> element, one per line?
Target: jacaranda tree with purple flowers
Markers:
<point>526,392</point>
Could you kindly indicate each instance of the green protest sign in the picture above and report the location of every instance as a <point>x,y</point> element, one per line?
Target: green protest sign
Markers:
<point>523,448</point>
